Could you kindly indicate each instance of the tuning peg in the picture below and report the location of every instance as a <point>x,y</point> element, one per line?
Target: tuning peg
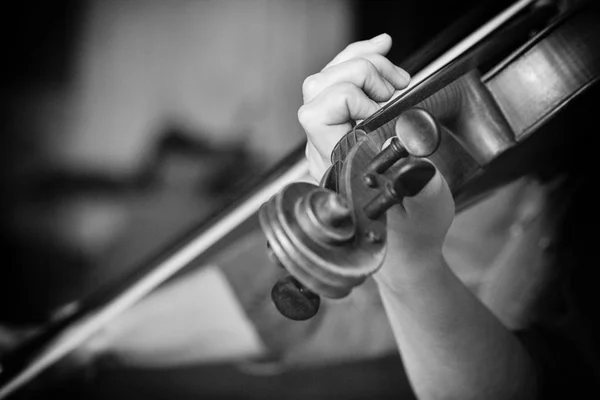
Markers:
<point>312,230</point>
<point>406,181</point>
<point>293,300</point>
<point>418,131</point>
<point>290,297</point>
<point>320,219</point>
<point>417,134</point>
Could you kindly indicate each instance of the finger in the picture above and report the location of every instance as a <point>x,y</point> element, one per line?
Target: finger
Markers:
<point>379,45</point>
<point>375,74</point>
<point>337,104</point>
<point>433,194</point>
<point>395,75</point>
<point>325,139</point>
<point>317,164</point>
<point>328,117</point>
<point>359,71</point>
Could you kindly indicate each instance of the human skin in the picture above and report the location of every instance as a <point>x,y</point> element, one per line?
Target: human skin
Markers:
<point>452,346</point>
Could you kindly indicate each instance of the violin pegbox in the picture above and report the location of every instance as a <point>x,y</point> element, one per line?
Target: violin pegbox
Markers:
<point>330,242</point>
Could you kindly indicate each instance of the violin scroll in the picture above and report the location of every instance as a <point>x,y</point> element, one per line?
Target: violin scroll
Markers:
<point>331,241</point>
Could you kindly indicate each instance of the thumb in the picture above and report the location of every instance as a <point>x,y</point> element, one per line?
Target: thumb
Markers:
<point>433,204</point>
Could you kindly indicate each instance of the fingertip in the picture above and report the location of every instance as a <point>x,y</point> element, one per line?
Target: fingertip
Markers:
<point>431,189</point>
<point>436,195</point>
<point>434,185</point>
<point>383,43</point>
<point>404,76</point>
<point>381,38</point>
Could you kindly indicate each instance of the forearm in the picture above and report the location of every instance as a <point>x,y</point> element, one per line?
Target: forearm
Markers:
<point>451,345</point>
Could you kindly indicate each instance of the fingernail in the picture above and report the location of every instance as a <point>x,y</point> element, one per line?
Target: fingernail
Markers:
<point>379,38</point>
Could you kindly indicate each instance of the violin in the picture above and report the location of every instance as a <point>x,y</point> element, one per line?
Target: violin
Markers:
<point>475,119</point>
<point>481,113</point>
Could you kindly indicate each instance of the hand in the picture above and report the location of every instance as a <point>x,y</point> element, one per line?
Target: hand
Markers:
<point>351,87</point>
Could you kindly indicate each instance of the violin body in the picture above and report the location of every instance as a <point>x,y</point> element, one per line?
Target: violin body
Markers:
<point>491,109</point>
<point>488,117</point>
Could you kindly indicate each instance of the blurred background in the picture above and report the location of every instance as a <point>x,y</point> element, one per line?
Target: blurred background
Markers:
<point>125,123</point>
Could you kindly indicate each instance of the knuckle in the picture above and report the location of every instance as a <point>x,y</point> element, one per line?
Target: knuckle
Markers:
<point>365,70</point>
<point>352,47</point>
<point>365,66</point>
<point>310,85</point>
<point>376,59</point>
<point>349,47</point>
<point>304,115</point>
